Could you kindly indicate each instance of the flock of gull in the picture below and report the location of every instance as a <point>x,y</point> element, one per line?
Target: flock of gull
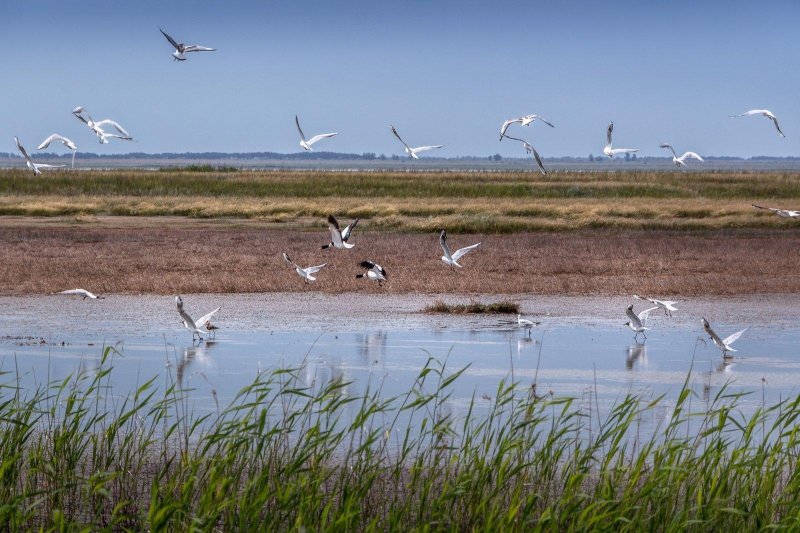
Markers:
<point>108,129</point>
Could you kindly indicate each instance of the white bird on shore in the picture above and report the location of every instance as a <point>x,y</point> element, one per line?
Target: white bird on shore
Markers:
<point>63,140</point>
<point>524,121</point>
<point>530,149</point>
<point>681,161</point>
<point>29,162</point>
<point>611,152</point>
<point>82,292</point>
<point>97,127</point>
<point>722,344</point>
<point>374,272</point>
<point>667,305</point>
<point>189,323</point>
<point>414,151</point>
<point>306,144</point>
<point>524,323</point>
<point>763,112</point>
<point>452,259</point>
<point>638,323</point>
<point>306,273</point>
<point>181,48</point>
<point>785,213</point>
<point>339,238</point>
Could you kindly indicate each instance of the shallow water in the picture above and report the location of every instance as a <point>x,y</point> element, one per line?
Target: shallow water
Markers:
<point>580,350</point>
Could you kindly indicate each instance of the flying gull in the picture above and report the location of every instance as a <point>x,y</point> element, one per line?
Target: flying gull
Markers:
<point>667,305</point>
<point>611,152</point>
<point>722,344</point>
<point>524,121</point>
<point>306,273</point>
<point>29,162</point>
<point>764,112</point>
<point>306,144</point>
<point>82,292</point>
<point>414,151</point>
<point>451,259</point>
<point>181,48</point>
<point>681,161</point>
<point>785,213</point>
<point>374,272</point>
<point>530,149</point>
<point>63,140</point>
<point>97,127</point>
<point>339,238</point>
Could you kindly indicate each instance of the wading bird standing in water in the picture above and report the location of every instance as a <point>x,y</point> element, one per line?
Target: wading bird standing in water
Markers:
<point>524,323</point>
<point>638,323</point>
<point>192,325</point>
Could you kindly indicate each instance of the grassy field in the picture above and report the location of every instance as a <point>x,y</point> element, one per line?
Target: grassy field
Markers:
<point>487,202</point>
<point>76,455</point>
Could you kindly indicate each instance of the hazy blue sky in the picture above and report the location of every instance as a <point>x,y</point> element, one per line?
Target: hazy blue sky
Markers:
<point>442,72</point>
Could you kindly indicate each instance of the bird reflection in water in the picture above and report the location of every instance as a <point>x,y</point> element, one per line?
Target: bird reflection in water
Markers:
<point>372,347</point>
<point>636,354</point>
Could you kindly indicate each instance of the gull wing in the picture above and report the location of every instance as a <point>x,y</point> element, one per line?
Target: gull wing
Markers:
<point>79,292</point>
<point>538,161</point>
<point>289,261</point>
<point>774,209</point>
<point>195,48</point>
<point>616,151</point>
<point>319,137</point>
<point>692,155</point>
<point>22,151</point>
<point>45,165</point>
<point>314,269</point>
<point>545,121</point>
<point>79,111</point>
<point>53,137</point>
<point>443,244</point>
<point>643,316</point>
<point>336,235</point>
<point>461,251</point>
<point>349,229</point>
<point>109,122</point>
<point>170,39</point>
<point>426,148</point>
<point>297,122</point>
<point>667,145</point>
<point>505,126</point>
<point>749,113</point>
<point>777,127</point>
<point>608,133</point>
<point>730,339</point>
<point>632,317</point>
<point>205,318</point>
<point>398,137</point>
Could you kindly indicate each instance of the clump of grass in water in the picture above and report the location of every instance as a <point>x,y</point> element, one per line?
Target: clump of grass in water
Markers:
<point>284,456</point>
<point>472,308</point>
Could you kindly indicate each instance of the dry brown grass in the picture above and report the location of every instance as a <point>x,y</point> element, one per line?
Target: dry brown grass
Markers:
<point>174,255</point>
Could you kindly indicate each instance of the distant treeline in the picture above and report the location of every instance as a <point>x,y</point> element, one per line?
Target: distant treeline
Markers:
<point>335,156</point>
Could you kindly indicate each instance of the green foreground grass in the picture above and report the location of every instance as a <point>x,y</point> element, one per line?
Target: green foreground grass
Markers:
<point>75,456</point>
<point>497,202</point>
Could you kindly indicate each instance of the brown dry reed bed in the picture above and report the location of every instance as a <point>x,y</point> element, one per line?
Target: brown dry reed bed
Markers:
<point>478,202</point>
<point>172,256</point>
<point>75,455</point>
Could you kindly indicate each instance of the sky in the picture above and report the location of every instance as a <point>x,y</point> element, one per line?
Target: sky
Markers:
<point>443,72</point>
